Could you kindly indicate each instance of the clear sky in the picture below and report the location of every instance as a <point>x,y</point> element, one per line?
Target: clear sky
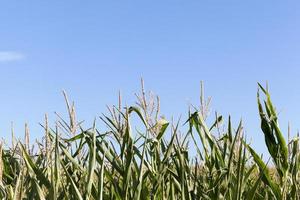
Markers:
<point>92,49</point>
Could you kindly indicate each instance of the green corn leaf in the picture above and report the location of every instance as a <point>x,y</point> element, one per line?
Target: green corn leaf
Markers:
<point>266,175</point>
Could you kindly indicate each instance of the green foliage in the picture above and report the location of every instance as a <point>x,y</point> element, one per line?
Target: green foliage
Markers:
<point>153,159</point>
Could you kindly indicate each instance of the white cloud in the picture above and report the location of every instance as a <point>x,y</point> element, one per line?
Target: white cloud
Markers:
<point>7,56</point>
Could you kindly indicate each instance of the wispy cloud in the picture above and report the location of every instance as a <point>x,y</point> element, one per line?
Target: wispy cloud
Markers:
<point>8,56</point>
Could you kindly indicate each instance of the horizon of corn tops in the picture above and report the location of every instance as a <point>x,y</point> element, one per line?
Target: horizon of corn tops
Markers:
<point>152,160</point>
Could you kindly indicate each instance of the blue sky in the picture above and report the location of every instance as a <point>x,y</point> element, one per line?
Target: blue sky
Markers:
<point>95,48</point>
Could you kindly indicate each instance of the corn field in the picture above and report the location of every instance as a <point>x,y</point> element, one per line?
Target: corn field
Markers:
<point>154,159</point>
